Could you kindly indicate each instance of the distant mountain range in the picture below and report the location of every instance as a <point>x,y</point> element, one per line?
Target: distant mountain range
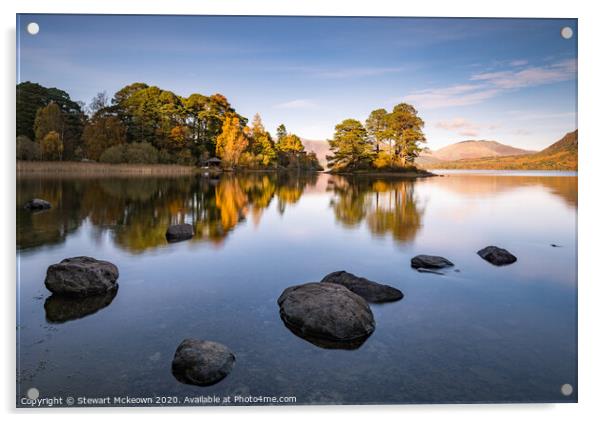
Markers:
<point>470,150</point>
<point>320,148</point>
<point>561,155</point>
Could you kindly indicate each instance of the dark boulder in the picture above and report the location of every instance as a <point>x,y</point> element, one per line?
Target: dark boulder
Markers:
<point>430,261</point>
<point>201,362</point>
<point>37,205</point>
<point>81,276</point>
<point>326,314</point>
<point>178,232</point>
<point>369,290</point>
<point>60,308</point>
<point>496,256</point>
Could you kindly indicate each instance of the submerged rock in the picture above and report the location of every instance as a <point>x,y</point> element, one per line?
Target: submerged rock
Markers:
<point>179,232</point>
<point>430,261</point>
<point>369,290</point>
<point>61,308</point>
<point>37,205</point>
<point>201,362</point>
<point>327,315</point>
<point>81,276</point>
<point>497,256</point>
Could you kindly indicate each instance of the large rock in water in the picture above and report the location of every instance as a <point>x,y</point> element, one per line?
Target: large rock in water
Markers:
<point>178,232</point>
<point>327,315</point>
<point>37,205</point>
<point>201,362</point>
<point>430,261</point>
<point>497,256</point>
<point>81,276</point>
<point>369,290</point>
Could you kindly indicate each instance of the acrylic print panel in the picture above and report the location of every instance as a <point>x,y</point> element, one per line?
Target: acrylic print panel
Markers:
<point>290,210</point>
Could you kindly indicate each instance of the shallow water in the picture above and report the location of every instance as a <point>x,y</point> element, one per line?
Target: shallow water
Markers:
<point>485,333</point>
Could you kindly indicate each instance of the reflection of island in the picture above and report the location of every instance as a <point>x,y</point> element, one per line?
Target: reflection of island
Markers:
<point>564,187</point>
<point>138,211</point>
<point>61,309</point>
<point>389,206</point>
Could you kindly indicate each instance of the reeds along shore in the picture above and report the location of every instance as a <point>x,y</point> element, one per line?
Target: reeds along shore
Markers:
<point>25,168</point>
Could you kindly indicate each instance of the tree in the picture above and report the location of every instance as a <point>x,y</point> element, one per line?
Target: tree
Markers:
<point>280,133</point>
<point>52,146</point>
<point>290,143</point>
<point>99,102</point>
<point>49,119</point>
<point>350,146</point>
<point>31,97</point>
<point>101,132</point>
<point>406,130</point>
<point>231,142</point>
<point>262,145</point>
<point>377,128</point>
<point>27,149</point>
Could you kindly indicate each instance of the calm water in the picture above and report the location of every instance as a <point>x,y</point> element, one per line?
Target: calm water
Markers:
<point>483,334</point>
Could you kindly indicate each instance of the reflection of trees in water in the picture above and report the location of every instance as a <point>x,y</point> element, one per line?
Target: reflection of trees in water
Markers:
<point>388,206</point>
<point>138,210</point>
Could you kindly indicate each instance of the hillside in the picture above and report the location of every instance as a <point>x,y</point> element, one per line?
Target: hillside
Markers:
<point>477,149</point>
<point>561,155</point>
<point>320,148</point>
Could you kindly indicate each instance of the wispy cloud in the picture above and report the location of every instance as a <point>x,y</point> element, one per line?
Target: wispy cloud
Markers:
<point>463,127</point>
<point>296,104</point>
<point>356,72</point>
<point>484,86</point>
<point>531,76</point>
<point>519,63</point>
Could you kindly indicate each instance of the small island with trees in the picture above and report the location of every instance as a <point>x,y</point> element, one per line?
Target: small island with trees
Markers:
<point>144,125</point>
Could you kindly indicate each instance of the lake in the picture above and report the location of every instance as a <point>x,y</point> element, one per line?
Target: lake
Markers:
<point>483,334</point>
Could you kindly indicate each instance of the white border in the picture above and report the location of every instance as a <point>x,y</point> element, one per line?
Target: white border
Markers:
<point>590,154</point>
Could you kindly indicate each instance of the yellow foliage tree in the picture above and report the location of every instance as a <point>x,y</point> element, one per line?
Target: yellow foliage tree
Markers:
<point>52,146</point>
<point>231,142</point>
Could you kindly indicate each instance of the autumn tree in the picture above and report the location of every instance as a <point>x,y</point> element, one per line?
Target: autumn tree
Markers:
<point>377,128</point>
<point>231,142</point>
<point>101,132</point>
<point>350,146</point>
<point>262,145</point>
<point>290,143</point>
<point>52,146</point>
<point>406,131</point>
<point>48,119</point>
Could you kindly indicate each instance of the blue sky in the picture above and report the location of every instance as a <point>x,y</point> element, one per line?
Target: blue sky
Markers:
<point>508,80</point>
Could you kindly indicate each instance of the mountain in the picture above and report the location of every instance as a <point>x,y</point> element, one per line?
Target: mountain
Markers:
<point>476,149</point>
<point>320,148</point>
<point>561,155</point>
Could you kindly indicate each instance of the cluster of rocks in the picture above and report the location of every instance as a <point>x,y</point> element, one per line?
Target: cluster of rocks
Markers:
<point>433,264</point>
<point>334,313</point>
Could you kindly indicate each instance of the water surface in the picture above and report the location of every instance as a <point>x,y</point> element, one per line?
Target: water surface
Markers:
<point>485,333</point>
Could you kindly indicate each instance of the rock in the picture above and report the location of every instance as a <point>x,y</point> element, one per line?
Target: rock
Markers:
<point>369,290</point>
<point>81,276</point>
<point>37,205</point>
<point>178,232</point>
<point>430,261</point>
<point>496,256</point>
<point>201,362</point>
<point>327,315</point>
<point>60,308</point>
<point>427,270</point>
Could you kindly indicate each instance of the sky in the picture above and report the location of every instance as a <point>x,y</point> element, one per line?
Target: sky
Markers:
<point>510,80</point>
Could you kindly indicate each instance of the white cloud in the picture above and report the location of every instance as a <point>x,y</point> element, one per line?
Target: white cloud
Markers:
<point>530,76</point>
<point>459,125</point>
<point>296,104</point>
<point>518,62</point>
<point>489,84</point>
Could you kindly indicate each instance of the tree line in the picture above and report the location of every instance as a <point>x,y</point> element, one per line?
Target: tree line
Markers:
<point>387,141</point>
<point>147,125</point>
